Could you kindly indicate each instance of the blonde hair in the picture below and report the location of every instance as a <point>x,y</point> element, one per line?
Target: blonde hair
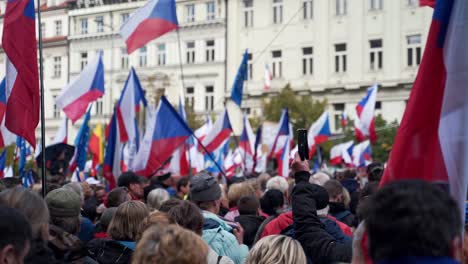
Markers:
<point>157,197</point>
<point>128,220</point>
<point>170,245</point>
<point>157,218</point>
<point>277,249</point>
<point>238,190</point>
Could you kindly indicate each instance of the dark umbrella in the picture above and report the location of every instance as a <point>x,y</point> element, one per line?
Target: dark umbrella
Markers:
<point>60,151</point>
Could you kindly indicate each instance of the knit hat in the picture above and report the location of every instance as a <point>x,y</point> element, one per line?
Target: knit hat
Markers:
<point>63,203</point>
<point>204,188</point>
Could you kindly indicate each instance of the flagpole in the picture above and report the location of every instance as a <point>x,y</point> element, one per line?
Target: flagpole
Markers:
<point>41,81</point>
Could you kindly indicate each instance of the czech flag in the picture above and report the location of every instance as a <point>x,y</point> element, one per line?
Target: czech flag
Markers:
<point>362,154</point>
<point>283,159</point>
<point>96,145</point>
<point>284,133</point>
<point>22,78</point>
<point>220,131</point>
<point>62,133</point>
<point>247,138</point>
<point>319,132</point>
<point>154,19</point>
<point>196,154</point>
<point>166,133</point>
<point>344,119</point>
<point>364,125</point>
<point>128,105</point>
<point>6,137</point>
<point>431,141</point>
<point>2,163</point>
<point>112,156</point>
<point>85,89</point>
<point>341,153</point>
<point>179,161</point>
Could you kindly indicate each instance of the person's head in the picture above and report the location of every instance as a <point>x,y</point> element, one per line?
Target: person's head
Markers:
<point>64,208</point>
<point>279,183</point>
<point>157,218</point>
<point>11,182</point>
<point>263,179</point>
<point>32,206</point>
<point>238,190</point>
<point>272,202</point>
<point>319,178</point>
<point>16,236</point>
<point>255,183</point>
<point>413,218</point>
<point>106,217</point>
<point>183,185</point>
<point>375,171</point>
<point>335,191</point>
<point>133,183</point>
<point>248,205</point>
<point>117,197</point>
<point>205,192</point>
<point>276,249</point>
<point>187,215</point>
<point>349,174</point>
<point>168,245</point>
<point>75,187</point>
<point>127,222</point>
<point>167,205</point>
<point>100,193</point>
<point>157,197</point>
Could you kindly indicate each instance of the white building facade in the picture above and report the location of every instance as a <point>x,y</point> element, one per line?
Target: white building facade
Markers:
<point>329,49</point>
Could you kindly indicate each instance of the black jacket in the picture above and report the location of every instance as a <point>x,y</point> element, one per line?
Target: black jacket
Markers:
<point>318,245</point>
<point>250,223</point>
<point>106,251</point>
<point>339,211</point>
<point>40,253</point>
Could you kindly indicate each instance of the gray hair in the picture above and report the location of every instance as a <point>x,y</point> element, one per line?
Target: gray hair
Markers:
<point>157,197</point>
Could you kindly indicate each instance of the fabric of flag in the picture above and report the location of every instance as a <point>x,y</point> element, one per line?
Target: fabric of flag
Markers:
<point>362,154</point>
<point>344,119</point>
<point>342,153</point>
<point>431,140</point>
<point>284,132</point>
<point>128,106</point>
<point>214,161</point>
<point>27,179</point>
<point>241,77</point>
<point>364,125</point>
<point>247,140</point>
<point>195,152</point>
<point>319,132</point>
<point>112,157</point>
<point>62,133</point>
<point>220,131</point>
<point>180,161</point>
<point>427,3</point>
<point>6,137</point>
<point>163,136</point>
<point>96,145</point>
<point>2,163</point>
<point>21,154</point>
<point>81,145</point>
<point>83,90</point>
<point>283,159</point>
<point>267,78</point>
<point>154,19</point>
<point>22,77</point>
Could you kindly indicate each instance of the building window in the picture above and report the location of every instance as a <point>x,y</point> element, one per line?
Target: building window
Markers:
<point>57,67</point>
<point>376,54</point>
<point>376,4</point>
<point>190,13</point>
<point>43,28</point>
<point>123,58</point>
<point>58,28</point>
<point>277,64</point>
<point>123,18</point>
<point>307,61</point>
<point>99,24</point>
<point>277,11</point>
<point>308,9</point>
<point>84,26</point>
<point>378,105</point>
<point>209,98</point>
<point>161,54</point>
<point>83,59</point>
<point>190,52</point>
<point>248,13</point>
<point>413,50</point>
<point>143,60</point>
<point>341,7</point>
<point>210,50</point>
<point>190,97</point>
<point>338,110</point>
<point>250,66</point>
<point>56,108</point>
<point>413,3</point>
<point>210,10</point>
<point>99,107</point>
<point>340,57</point>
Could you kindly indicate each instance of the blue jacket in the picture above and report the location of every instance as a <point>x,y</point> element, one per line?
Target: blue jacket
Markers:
<point>420,260</point>
<point>217,234</point>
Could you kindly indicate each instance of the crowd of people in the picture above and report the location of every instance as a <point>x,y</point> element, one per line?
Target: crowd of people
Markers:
<point>260,219</point>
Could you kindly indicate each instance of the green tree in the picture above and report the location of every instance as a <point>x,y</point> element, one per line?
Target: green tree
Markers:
<point>303,109</point>
<point>193,119</point>
<point>386,133</point>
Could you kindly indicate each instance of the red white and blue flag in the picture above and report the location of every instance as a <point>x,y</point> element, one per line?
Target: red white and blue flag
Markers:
<point>6,137</point>
<point>22,78</point>
<point>220,131</point>
<point>166,133</point>
<point>362,154</point>
<point>247,145</point>
<point>283,158</point>
<point>85,89</point>
<point>284,133</point>
<point>179,162</point>
<point>154,19</point>
<point>112,156</point>
<point>431,141</point>
<point>196,155</point>
<point>342,153</point>
<point>2,163</point>
<point>364,125</point>
<point>319,132</point>
<point>344,119</point>
<point>128,106</point>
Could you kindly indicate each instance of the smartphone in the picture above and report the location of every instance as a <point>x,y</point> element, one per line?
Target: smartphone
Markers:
<point>303,145</point>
